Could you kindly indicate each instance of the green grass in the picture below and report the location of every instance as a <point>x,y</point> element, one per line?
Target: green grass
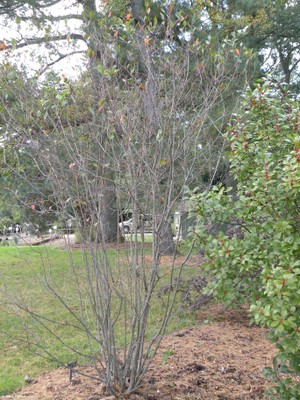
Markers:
<point>24,272</point>
<point>21,271</point>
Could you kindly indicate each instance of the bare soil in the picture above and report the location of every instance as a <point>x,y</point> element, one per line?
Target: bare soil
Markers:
<point>53,240</point>
<point>220,359</point>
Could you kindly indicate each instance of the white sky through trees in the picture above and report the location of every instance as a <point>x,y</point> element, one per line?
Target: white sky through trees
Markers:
<point>35,58</point>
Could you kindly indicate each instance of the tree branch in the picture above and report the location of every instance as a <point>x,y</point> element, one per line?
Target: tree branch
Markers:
<point>47,39</point>
<point>61,57</point>
<point>51,18</point>
<point>7,6</point>
<point>47,3</point>
<point>292,69</point>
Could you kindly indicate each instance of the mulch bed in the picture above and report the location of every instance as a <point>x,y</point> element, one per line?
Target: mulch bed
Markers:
<point>220,359</point>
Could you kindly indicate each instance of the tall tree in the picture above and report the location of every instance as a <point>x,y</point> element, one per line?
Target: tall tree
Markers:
<point>124,41</point>
<point>269,27</point>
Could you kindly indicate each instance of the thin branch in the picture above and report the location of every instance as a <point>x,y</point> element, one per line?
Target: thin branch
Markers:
<point>46,39</point>
<point>295,65</point>
<point>8,8</point>
<point>49,3</point>
<point>51,18</point>
<point>61,57</point>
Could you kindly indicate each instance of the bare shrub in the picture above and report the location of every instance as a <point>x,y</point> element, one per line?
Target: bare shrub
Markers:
<point>137,147</point>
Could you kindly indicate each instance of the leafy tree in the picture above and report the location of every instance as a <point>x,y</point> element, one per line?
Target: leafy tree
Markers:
<point>24,187</point>
<point>268,27</point>
<point>251,239</point>
<point>125,41</point>
<point>271,27</point>
<point>99,33</point>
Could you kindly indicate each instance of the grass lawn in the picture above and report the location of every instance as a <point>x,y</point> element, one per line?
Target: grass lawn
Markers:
<point>25,275</point>
<point>21,271</point>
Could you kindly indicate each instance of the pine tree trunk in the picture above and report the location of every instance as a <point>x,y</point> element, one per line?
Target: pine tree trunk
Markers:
<point>108,211</point>
<point>166,242</point>
<point>151,109</point>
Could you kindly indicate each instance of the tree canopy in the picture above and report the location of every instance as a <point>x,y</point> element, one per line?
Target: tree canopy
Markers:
<point>128,49</point>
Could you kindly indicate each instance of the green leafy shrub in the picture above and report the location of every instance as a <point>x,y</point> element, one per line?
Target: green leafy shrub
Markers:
<point>251,235</point>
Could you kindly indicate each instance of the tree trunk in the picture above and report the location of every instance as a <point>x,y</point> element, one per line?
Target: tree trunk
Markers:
<point>151,109</point>
<point>166,243</point>
<point>108,211</point>
<point>285,62</point>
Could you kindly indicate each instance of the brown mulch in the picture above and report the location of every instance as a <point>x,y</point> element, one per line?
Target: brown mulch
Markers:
<point>220,359</point>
